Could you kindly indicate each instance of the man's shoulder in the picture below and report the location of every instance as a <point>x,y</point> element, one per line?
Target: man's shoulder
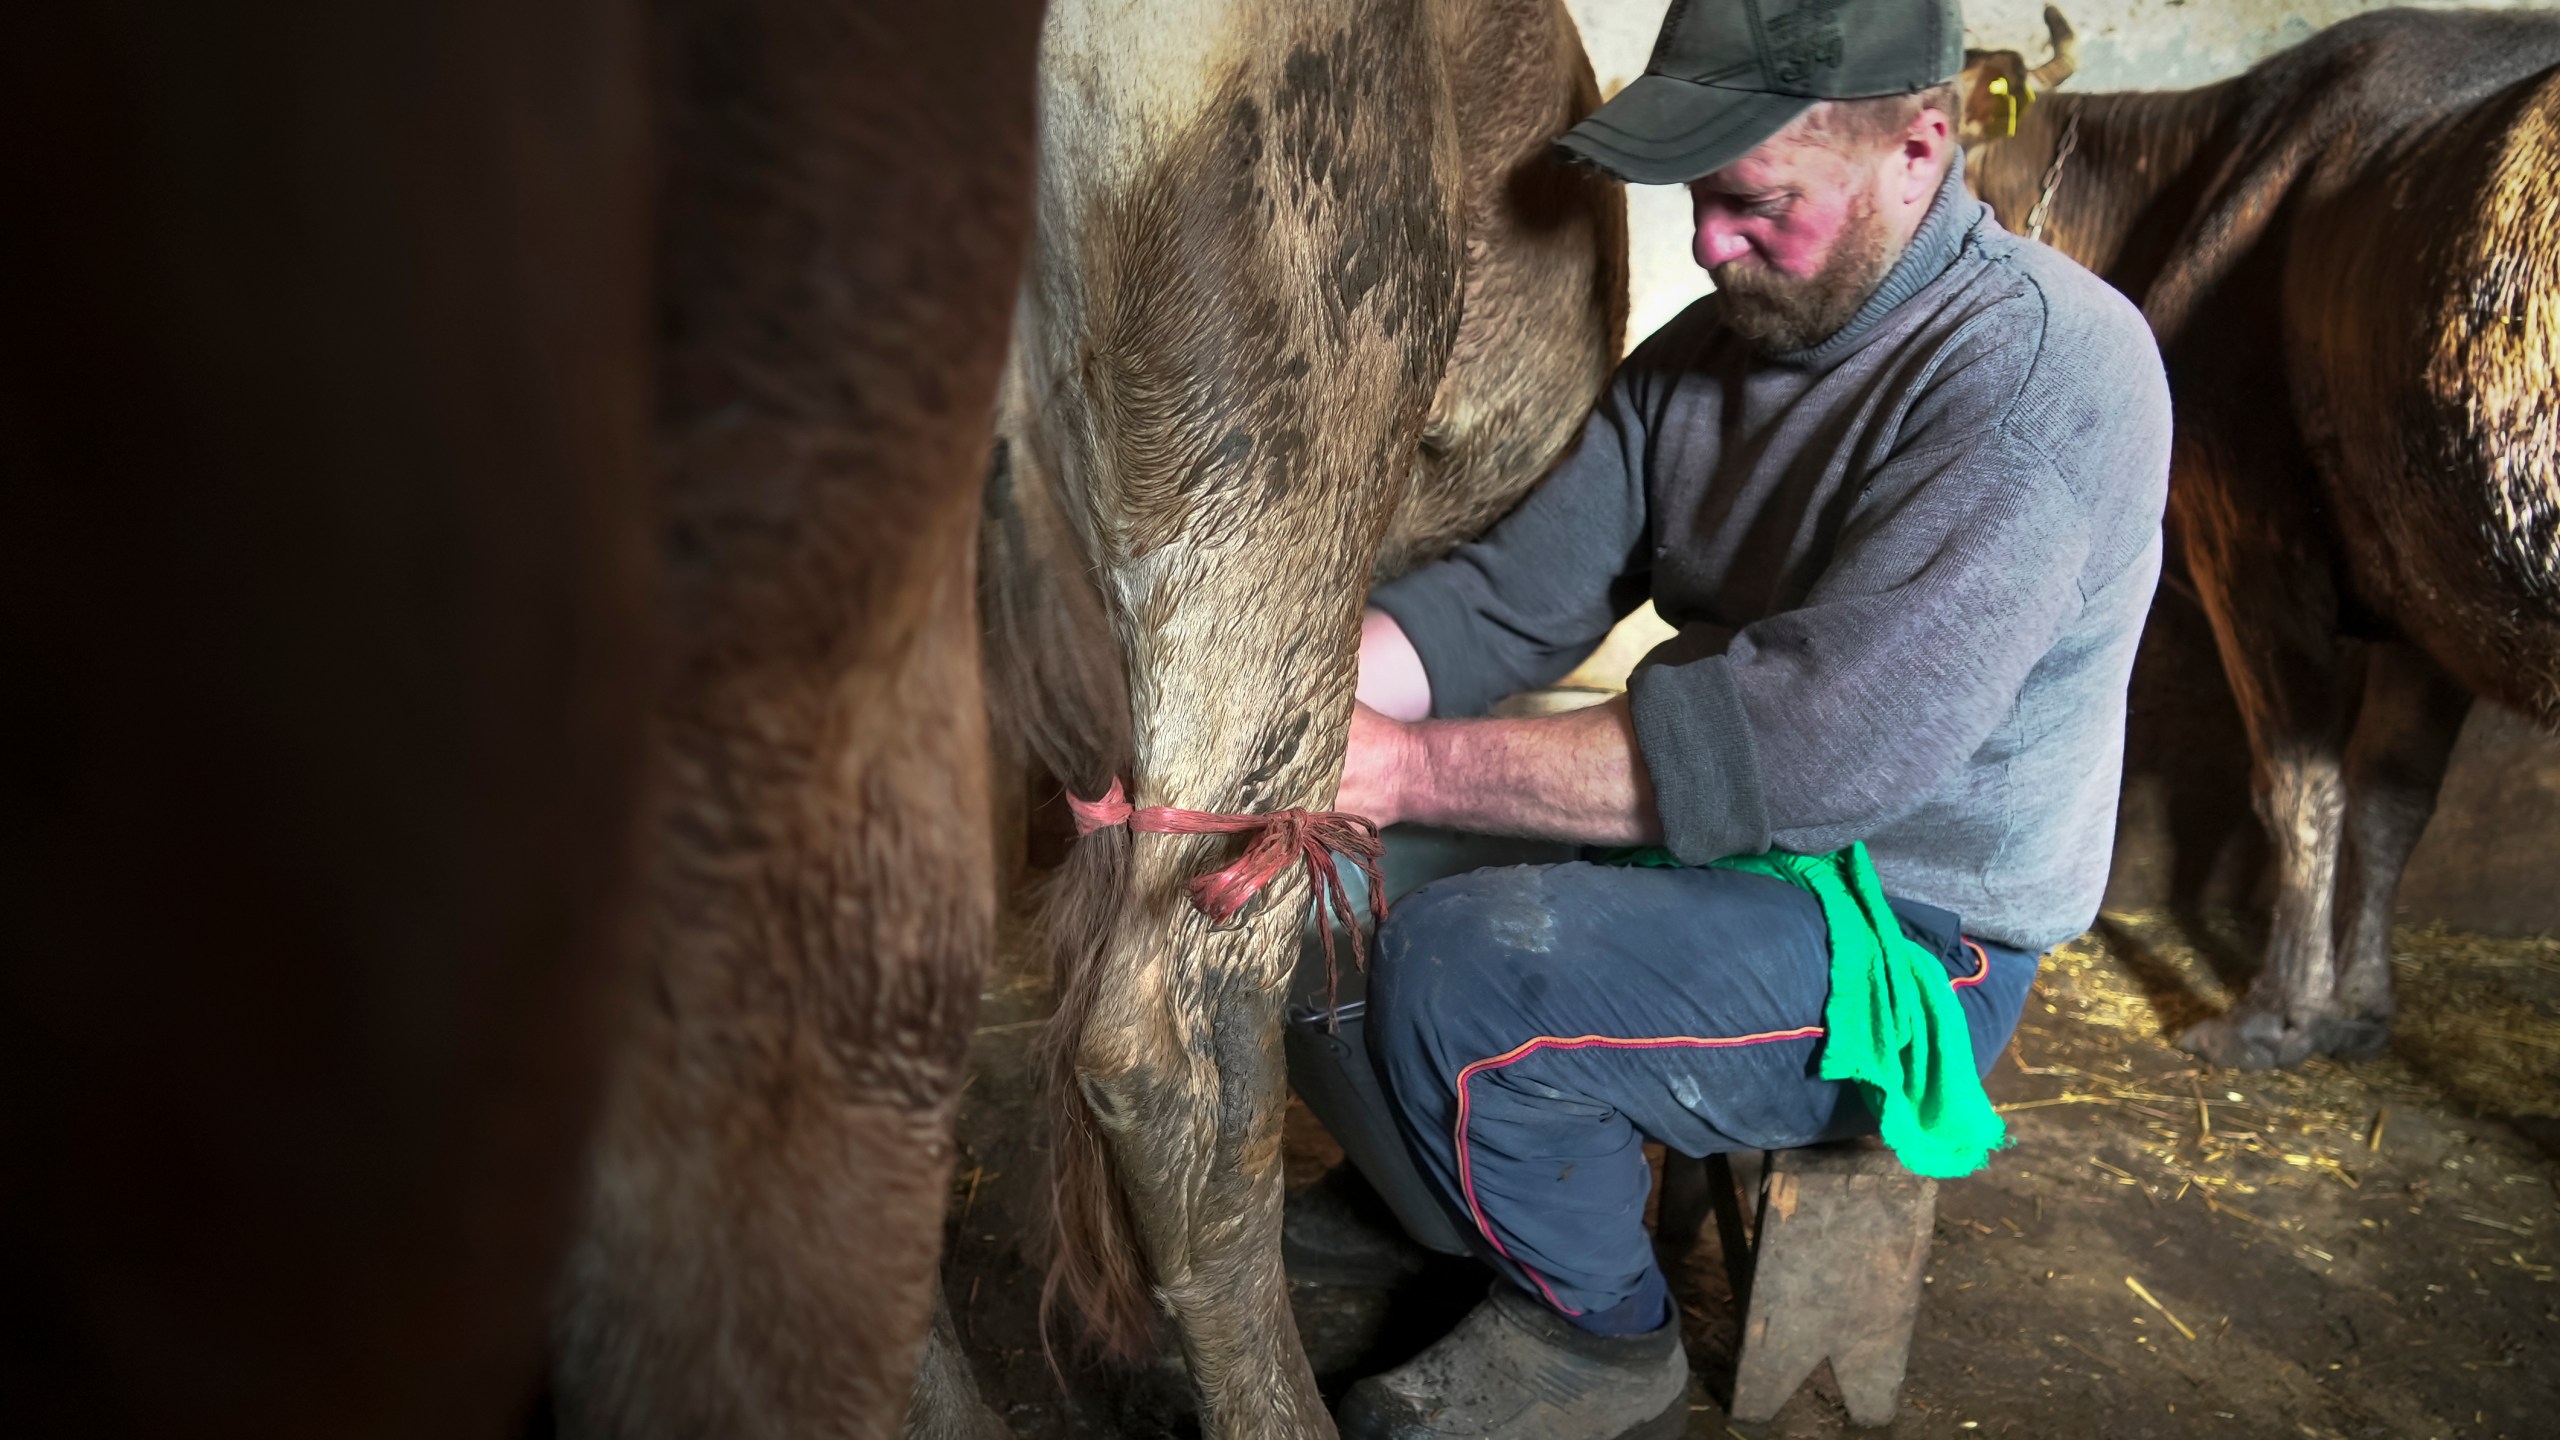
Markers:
<point>2085,331</point>
<point>2049,354</point>
<point>1676,341</point>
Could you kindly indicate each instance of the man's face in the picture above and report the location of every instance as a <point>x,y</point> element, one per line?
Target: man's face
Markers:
<point>1799,233</point>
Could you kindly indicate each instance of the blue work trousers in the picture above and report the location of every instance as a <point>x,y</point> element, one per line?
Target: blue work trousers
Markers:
<point>1534,1025</point>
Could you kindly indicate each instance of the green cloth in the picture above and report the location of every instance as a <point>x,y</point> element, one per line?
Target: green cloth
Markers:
<point>1893,1025</point>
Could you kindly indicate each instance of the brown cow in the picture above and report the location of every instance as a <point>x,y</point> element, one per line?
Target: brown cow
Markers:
<point>329,541</point>
<point>846,198</point>
<point>1309,300</point>
<point>1999,85</point>
<point>2350,255</point>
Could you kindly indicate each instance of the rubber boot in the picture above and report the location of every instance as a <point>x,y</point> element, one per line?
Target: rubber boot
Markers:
<point>1516,1370</point>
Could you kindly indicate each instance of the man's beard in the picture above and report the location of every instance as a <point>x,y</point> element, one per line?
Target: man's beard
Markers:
<point>1781,313</point>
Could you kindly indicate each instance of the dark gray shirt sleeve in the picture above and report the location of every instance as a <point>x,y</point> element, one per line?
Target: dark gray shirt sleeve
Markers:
<point>1814,727</point>
<point>1522,606</point>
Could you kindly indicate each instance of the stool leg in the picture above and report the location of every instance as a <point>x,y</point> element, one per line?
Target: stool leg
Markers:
<point>1843,1237</point>
<point>1724,1190</point>
<point>1686,1196</point>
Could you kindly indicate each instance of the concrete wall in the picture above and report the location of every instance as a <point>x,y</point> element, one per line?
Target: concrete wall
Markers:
<point>2491,857</point>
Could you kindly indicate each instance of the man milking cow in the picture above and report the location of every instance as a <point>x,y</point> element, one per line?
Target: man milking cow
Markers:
<point>1898,486</point>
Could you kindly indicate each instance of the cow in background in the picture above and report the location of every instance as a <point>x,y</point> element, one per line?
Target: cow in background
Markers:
<point>1309,302</point>
<point>2351,257</point>
<point>1999,85</point>
<point>366,367</point>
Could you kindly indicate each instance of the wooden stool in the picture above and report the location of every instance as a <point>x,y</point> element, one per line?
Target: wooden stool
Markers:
<point>1826,1265</point>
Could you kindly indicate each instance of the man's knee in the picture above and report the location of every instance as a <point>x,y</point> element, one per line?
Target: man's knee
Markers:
<point>1451,953</point>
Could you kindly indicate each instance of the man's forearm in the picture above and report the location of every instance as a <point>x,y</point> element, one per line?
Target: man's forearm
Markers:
<point>1575,777</point>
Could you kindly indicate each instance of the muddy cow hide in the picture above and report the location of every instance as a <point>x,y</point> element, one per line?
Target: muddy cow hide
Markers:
<point>353,405</point>
<point>2351,257</point>
<point>1308,302</point>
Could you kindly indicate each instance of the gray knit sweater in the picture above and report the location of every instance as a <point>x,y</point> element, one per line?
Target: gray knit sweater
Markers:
<point>1908,568</point>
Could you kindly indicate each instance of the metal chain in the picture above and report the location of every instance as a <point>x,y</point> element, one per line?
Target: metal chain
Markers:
<point>2053,177</point>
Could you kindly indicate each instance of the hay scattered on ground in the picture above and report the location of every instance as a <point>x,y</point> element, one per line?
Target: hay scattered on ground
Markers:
<point>2483,1016</point>
<point>2479,1026</point>
<point>2479,1017</point>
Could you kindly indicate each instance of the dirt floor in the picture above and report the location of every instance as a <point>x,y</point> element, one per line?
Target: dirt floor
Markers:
<point>2345,1251</point>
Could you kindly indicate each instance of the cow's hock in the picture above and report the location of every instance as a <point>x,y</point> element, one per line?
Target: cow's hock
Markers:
<point>1279,839</point>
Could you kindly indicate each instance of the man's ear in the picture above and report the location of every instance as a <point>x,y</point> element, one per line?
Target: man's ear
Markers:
<point>1926,148</point>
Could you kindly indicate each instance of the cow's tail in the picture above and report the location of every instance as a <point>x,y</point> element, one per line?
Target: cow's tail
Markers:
<point>1058,696</point>
<point>1095,1260</point>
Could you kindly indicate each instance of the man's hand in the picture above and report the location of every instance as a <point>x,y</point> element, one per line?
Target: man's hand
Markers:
<point>1375,766</point>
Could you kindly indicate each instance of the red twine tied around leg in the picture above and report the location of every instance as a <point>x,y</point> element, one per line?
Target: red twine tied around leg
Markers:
<point>1281,838</point>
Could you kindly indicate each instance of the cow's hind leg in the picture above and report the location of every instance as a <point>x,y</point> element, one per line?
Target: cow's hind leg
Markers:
<point>2273,603</point>
<point>947,1405</point>
<point>1178,1068</point>
<point>2404,735</point>
<point>841,223</point>
<point>768,1189</point>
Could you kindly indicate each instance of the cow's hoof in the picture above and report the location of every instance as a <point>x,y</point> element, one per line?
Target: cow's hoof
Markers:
<point>2361,1037</point>
<point>2251,1040</point>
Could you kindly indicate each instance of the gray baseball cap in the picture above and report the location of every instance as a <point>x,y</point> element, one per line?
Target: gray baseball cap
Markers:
<point>1728,74</point>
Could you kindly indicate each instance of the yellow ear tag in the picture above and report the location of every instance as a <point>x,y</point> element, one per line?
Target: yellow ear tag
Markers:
<point>2000,87</point>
